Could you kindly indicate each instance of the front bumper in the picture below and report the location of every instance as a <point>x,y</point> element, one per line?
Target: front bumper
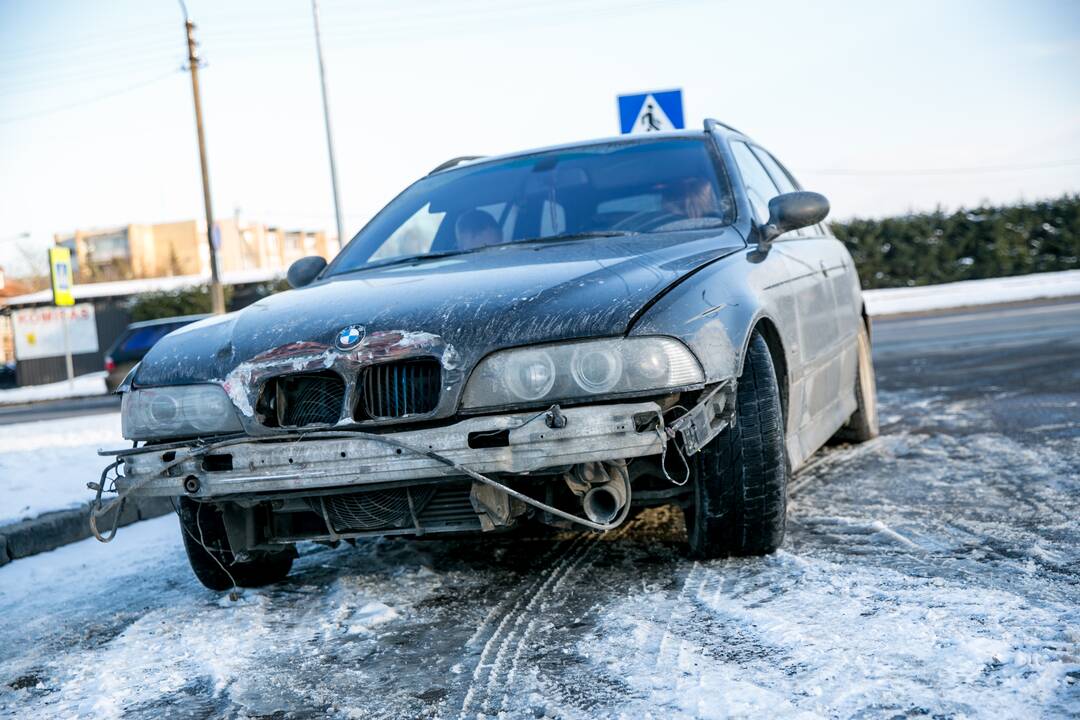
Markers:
<point>268,466</point>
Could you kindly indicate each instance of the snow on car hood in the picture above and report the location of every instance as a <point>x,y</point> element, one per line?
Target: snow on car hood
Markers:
<point>461,307</point>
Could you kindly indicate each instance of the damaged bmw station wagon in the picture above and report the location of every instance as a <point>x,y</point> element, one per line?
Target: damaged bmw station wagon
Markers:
<point>559,336</point>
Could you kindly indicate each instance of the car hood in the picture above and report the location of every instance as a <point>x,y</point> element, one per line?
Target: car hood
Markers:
<point>459,308</point>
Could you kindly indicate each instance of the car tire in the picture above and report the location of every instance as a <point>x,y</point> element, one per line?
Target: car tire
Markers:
<point>212,561</point>
<point>863,423</point>
<point>740,478</point>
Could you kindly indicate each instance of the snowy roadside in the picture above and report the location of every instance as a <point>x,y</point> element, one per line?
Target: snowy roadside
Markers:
<point>82,386</point>
<point>45,465</point>
<point>972,293</point>
<point>44,468</point>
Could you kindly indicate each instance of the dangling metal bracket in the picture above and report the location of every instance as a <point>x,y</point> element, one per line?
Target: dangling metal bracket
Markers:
<point>714,412</point>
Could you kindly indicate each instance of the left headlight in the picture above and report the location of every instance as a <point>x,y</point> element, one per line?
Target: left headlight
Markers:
<point>179,411</point>
<point>549,373</point>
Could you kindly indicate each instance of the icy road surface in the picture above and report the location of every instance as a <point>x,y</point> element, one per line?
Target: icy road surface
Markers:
<point>931,573</point>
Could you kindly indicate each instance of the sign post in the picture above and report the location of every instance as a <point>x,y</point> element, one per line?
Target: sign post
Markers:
<point>651,112</point>
<point>62,285</point>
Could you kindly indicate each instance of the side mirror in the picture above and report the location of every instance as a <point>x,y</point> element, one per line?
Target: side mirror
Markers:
<point>792,211</point>
<point>304,270</point>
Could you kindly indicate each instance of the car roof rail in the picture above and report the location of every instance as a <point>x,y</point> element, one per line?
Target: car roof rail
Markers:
<point>455,161</point>
<point>711,124</point>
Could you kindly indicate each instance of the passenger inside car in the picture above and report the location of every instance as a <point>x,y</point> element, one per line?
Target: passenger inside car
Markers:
<point>476,229</point>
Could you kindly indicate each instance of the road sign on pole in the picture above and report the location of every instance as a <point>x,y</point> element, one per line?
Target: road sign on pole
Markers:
<point>651,112</point>
<point>60,273</point>
<point>62,286</point>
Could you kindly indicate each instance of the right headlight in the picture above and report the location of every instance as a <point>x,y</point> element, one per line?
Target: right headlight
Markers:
<point>573,371</point>
<point>177,411</point>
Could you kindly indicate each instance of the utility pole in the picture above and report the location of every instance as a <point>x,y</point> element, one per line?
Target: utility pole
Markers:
<point>217,295</point>
<point>329,134</point>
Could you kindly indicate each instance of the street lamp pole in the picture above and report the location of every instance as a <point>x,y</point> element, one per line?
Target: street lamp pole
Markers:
<point>217,294</point>
<point>329,133</point>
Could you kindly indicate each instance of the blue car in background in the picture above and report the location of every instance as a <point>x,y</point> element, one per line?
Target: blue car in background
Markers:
<point>132,346</point>
<point>7,375</point>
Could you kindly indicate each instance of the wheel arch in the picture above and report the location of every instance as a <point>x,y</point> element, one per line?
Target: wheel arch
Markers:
<point>771,334</point>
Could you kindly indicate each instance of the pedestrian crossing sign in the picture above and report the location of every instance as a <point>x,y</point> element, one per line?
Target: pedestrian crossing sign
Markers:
<point>651,112</point>
<point>60,271</point>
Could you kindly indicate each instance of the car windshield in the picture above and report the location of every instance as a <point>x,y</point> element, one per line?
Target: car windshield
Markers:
<point>603,190</point>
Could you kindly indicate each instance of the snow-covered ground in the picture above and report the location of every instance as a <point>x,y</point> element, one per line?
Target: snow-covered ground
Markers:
<point>45,465</point>
<point>81,386</point>
<point>973,293</point>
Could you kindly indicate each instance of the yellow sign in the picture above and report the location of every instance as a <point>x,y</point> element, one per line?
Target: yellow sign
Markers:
<point>60,271</point>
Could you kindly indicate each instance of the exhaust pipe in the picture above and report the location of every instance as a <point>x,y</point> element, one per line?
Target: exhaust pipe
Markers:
<point>603,502</point>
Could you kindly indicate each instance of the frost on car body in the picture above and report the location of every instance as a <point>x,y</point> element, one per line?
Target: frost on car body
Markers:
<point>560,336</point>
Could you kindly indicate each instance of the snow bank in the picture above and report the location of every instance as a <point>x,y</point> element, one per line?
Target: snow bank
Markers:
<point>45,465</point>
<point>972,293</point>
<point>82,386</point>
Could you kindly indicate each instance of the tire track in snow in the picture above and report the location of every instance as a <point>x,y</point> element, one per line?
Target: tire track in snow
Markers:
<point>509,610</point>
<point>680,614</point>
<point>573,573</point>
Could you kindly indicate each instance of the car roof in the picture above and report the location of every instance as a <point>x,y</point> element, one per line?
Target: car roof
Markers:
<point>471,161</point>
<point>167,321</point>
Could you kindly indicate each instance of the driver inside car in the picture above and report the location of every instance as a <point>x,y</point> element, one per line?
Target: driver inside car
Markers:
<point>476,229</point>
<point>691,197</point>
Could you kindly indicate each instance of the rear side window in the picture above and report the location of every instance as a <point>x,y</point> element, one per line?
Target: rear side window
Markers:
<point>759,186</point>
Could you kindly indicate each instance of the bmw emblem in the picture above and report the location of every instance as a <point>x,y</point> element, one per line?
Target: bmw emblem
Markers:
<point>350,337</point>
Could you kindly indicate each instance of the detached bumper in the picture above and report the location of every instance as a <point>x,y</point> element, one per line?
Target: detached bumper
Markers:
<point>603,432</point>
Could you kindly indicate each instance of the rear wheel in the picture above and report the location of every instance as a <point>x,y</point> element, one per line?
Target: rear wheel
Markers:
<point>863,423</point>
<point>740,478</point>
<point>213,561</point>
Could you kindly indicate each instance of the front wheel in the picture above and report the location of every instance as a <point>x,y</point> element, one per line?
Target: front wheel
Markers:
<point>211,558</point>
<point>740,478</point>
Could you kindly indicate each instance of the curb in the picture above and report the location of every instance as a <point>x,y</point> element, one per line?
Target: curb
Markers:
<point>55,529</point>
<point>969,309</point>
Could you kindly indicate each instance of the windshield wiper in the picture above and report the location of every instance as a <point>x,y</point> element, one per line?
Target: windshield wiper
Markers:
<point>402,260</point>
<point>576,236</point>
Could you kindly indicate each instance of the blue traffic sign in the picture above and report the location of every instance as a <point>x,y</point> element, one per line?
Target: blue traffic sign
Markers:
<point>651,112</point>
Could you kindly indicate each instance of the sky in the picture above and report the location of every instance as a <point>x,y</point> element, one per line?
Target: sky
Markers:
<point>886,108</point>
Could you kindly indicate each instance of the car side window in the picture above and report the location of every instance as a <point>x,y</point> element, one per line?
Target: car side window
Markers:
<point>759,186</point>
<point>784,182</point>
<point>775,171</point>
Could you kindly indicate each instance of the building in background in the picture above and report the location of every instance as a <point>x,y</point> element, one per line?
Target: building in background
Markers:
<point>101,313</point>
<point>167,249</point>
<point>115,266</point>
<point>8,288</point>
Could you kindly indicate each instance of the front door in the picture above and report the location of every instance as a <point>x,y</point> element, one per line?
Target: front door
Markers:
<point>810,258</point>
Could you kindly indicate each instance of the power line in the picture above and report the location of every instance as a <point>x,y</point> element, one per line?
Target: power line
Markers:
<point>118,64</point>
<point>76,43</point>
<point>88,101</point>
<point>943,171</point>
<point>66,56</point>
<point>97,61</point>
